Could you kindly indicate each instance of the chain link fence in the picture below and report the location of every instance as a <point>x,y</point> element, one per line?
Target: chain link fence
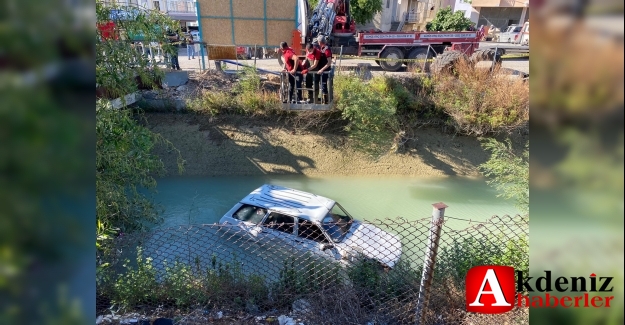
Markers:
<point>214,271</point>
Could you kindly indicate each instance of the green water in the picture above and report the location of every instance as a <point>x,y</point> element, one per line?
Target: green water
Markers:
<point>205,200</point>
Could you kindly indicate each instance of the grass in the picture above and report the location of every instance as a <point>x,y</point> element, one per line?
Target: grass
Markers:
<point>246,98</point>
<point>478,102</point>
<point>373,113</point>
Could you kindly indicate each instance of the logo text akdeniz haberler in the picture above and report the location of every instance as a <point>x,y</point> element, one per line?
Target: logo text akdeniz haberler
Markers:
<point>493,289</point>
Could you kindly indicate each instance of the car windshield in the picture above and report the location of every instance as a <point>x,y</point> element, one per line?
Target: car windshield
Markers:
<point>337,223</point>
<point>250,213</point>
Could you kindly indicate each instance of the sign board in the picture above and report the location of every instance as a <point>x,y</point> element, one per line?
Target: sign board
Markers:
<point>226,52</point>
<point>247,22</point>
<point>448,35</point>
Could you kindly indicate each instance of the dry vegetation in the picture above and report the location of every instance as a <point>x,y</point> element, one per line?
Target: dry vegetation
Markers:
<point>480,102</point>
<point>474,102</point>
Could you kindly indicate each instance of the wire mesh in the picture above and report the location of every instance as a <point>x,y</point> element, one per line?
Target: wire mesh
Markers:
<point>365,272</point>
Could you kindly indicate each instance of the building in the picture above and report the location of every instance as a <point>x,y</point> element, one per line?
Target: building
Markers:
<point>501,13</point>
<point>466,7</point>
<point>406,15</point>
<point>183,11</point>
<point>417,13</point>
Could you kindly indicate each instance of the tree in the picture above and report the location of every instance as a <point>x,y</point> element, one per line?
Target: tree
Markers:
<point>508,171</point>
<point>124,162</point>
<point>362,11</point>
<point>447,20</point>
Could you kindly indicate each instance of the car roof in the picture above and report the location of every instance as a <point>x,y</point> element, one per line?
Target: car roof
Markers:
<point>297,203</point>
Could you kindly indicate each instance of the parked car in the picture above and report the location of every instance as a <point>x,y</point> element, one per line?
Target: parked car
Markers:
<point>243,53</point>
<point>509,35</point>
<point>310,223</point>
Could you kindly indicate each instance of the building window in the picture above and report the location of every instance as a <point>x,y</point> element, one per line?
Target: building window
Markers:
<point>157,5</point>
<point>388,4</point>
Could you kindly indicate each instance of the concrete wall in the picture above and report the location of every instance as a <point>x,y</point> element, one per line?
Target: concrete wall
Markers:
<point>469,11</point>
<point>501,17</point>
<point>387,16</point>
<point>383,19</point>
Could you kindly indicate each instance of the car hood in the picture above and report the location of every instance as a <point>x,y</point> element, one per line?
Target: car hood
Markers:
<point>374,243</point>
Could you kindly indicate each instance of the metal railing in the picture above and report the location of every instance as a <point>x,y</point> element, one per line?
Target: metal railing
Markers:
<point>412,17</point>
<point>273,269</point>
<point>310,87</point>
<point>181,6</point>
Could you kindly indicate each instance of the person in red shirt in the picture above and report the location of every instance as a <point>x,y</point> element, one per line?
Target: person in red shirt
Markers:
<point>325,64</point>
<point>291,67</point>
<point>313,56</point>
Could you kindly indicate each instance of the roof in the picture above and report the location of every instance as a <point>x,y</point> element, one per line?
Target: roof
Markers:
<point>289,201</point>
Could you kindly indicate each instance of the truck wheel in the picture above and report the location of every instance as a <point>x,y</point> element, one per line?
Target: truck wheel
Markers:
<point>421,53</point>
<point>446,61</point>
<point>486,55</point>
<point>391,53</point>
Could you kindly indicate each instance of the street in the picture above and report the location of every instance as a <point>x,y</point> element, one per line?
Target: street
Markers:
<point>520,64</point>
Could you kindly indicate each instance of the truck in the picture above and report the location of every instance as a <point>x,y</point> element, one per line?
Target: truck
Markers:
<point>332,19</point>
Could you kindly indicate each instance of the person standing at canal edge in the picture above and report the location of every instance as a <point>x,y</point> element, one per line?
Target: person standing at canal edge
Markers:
<point>190,47</point>
<point>172,50</point>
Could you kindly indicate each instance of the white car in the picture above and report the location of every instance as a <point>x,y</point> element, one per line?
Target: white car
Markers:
<point>510,34</point>
<point>310,223</point>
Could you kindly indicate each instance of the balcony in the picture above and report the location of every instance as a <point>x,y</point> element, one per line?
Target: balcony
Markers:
<point>500,3</point>
<point>182,10</point>
<point>181,6</point>
<point>412,17</point>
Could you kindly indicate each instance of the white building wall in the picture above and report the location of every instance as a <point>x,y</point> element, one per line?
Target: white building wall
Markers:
<point>469,11</point>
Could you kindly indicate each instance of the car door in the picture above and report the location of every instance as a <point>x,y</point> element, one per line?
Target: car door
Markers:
<point>311,238</point>
<point>277,229</point>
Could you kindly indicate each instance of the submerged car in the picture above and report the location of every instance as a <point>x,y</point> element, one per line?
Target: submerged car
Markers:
<point>311,223</point>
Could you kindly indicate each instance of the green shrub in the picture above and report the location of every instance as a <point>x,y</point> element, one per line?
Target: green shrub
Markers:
<point>370,112</point>
<point>138,285</point>
<point>182,286</point>
<point>379,286</point>
<point>247,98</point>
<point>509,173</point>
<point>455,260</point>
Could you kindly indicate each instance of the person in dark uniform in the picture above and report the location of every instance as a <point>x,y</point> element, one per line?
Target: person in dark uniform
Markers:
<point>291,67</point>
<point>325,64</point>
<point>172,51</point>
<point>313,56</point>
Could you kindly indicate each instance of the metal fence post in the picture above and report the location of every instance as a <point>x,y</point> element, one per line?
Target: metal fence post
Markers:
<point>255,55</point>
<point>492,66</point>
<point>340,58</point>
<point>438,217</point>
